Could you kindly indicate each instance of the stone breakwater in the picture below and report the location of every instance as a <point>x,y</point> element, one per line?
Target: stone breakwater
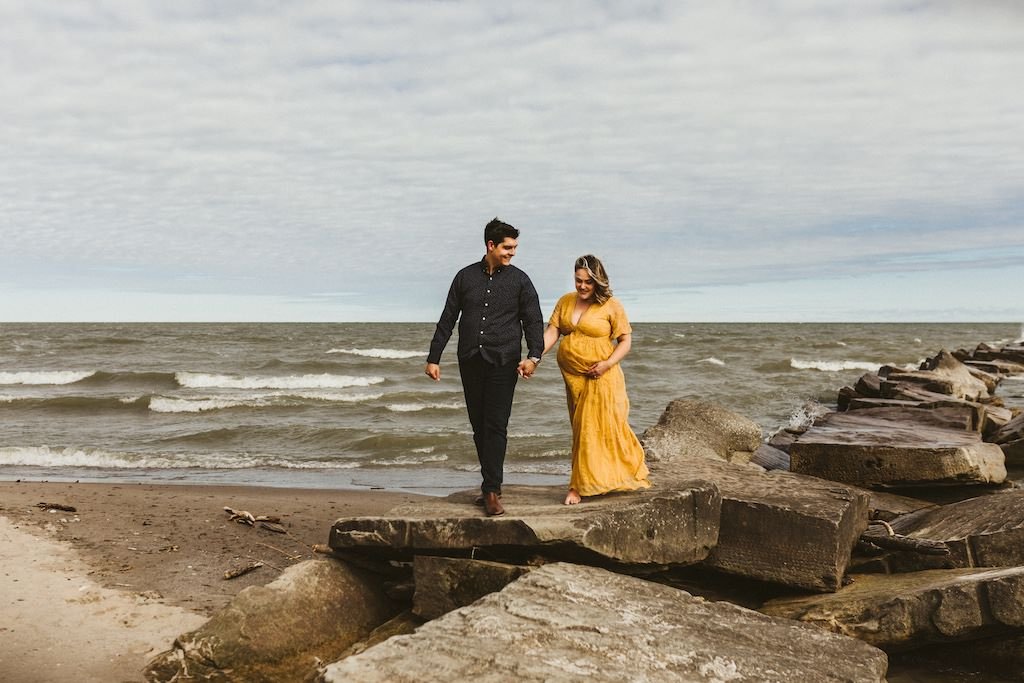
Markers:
<point>887,525</point>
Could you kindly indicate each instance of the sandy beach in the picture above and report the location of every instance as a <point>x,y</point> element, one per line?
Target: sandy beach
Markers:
<point>92,595</point>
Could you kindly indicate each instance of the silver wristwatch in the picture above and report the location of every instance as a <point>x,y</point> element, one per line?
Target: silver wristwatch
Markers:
<point>535,359</point>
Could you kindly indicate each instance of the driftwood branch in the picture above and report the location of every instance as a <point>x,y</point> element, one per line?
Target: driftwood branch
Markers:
<point>239,571</point>
<point>890,540</point>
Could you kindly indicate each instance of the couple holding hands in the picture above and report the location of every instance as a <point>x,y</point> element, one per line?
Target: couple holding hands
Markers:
<point>495,305</point>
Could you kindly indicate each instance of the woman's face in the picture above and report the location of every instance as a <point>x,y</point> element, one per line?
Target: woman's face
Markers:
<point>584,285</point>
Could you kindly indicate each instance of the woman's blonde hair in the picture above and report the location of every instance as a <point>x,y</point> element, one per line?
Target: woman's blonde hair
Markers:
<point>594,267</point>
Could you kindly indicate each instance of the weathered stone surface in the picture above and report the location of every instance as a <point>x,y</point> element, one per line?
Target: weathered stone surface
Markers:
<point>698,429</point>
<point>950,412</point>
<point>943,374</point>
<point>929,399</point>
<point>996,417</point>
<point>902,611</point>
<point>777,526</point>
<point>987,531</point>
<point>1014,452</point>
<point>664,525</point>
<point>569,623</point>
<point>447,583</point>
<point>857,448</point>
<point>276,633</point>
<point>401,625</point>
<point>960,417</point>
<point>1009,353</point>
<point>1013,430</point>
<point>999,368</point>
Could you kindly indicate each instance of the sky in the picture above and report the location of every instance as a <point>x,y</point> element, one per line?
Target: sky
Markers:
<point>772,160</point>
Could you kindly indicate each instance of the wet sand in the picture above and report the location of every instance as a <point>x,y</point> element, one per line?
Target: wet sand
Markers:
<point>92,595</point>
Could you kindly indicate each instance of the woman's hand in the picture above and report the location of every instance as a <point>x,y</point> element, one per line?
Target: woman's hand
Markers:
<point>598,369</point>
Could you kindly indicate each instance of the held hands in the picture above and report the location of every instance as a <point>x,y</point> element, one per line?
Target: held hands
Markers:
<point>526,368</point>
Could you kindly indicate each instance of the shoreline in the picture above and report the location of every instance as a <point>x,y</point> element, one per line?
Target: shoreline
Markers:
<point>92,595</point>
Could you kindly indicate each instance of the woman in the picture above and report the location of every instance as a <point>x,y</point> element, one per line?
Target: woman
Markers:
<point>606,455</point>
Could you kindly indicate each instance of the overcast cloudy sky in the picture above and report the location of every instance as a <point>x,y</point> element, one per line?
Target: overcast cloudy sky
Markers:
<point>782,160</point>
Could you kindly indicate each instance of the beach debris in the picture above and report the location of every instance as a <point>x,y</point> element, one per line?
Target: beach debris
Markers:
<point>240,516</point>
<point>240,571</point>
<point>268,522</point>
<point>276,527</point>
<point>56,506</point>
<point>322,548</point>
<point>891,540</point>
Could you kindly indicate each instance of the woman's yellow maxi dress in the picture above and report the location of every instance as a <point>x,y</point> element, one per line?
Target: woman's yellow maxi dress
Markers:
<point>606,455</point>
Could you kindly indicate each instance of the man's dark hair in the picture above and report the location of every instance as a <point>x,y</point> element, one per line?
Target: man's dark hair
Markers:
<point>496,231</point>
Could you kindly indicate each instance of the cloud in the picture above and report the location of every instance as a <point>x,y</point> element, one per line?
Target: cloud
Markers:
<point>281,150</point>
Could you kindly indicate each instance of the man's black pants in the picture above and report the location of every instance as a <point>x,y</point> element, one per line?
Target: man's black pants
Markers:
<point>488,390</point>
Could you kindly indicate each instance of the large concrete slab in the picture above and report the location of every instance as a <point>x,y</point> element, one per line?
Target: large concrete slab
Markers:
<point>904,611</point>
<point>777,526</point>
<point>565,622</point>
<point>858,448</point>
<point>675,524</point>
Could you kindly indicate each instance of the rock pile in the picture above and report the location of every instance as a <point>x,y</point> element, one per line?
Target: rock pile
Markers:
<point>727,569</point>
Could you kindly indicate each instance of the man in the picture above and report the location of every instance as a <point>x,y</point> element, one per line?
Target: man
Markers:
<point>495,304</point>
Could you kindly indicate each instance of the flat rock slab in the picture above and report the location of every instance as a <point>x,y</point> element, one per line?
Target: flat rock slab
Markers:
<point>987,531</point>
<point>859,448</point>
<point>780,527</point>
<point>666,525</point>
<point>565,622</point>
<point>903,611</point>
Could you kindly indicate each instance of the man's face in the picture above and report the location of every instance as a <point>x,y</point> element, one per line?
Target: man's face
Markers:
<point>501,254</point>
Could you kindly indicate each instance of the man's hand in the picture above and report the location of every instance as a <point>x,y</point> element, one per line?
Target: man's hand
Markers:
<point>526,368</point>
<point>434,371</point>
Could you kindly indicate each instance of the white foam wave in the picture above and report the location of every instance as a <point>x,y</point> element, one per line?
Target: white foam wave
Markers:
<point>166,404</point>
<point>45,456</point>
<point>712,361</point>
<point>410,460</point>
<point>162,404</point>
<point>197,380</point>
<point>678,334</point>
<point>390,354</point>
<point>44,377</point>
<point>832,365</point>
<point>416,407</point>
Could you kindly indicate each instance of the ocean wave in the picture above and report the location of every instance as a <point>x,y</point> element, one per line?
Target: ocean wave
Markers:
<point>405,460</point>
<point>416,407</point>
<point>44,377</point>
<point>712,361</point>
<point>197,380</point>
<point>389,354</point>
<point>170,404</point>
<point>833,365</point>
<point>45,456</point>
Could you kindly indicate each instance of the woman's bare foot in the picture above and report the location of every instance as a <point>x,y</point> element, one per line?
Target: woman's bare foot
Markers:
<point>572,498</point>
